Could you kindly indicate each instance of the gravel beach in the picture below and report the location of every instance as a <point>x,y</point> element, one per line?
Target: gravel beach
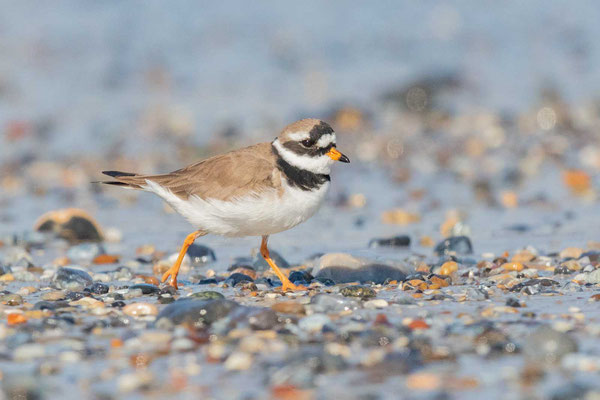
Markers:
<point>456,257</point>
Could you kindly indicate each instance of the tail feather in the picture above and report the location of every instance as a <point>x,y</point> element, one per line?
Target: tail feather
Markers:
<point>124,179</point>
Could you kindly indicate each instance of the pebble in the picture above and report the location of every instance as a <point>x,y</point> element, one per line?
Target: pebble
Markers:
<point>198,313</point>
<point>200,254</point>
<point>454,244</point>
<point>396,241</point>
<point>85,252</point>
<point>314,323</point>
<point>362,292</point>
<point>98,288</point>
<point>71,279</point>
<point>146,288</point>
<point>288,307</point>
<point>72,224</point>
<point>329,303</point>
<point>548,346</point>
<point>11,299</point>
<point>237,278</point>
<point>238,361</point>
<point>376,303</point>
<point>140,309</point>
<point>343,268</point>
<point>513,266</point>
<point>207,295</point>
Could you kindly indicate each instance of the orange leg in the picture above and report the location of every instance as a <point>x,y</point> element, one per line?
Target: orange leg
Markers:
<point>285,282</point>
<point>174,270</point>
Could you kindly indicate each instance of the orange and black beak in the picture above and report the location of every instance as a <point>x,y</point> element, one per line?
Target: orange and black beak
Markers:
<point>334,154</point>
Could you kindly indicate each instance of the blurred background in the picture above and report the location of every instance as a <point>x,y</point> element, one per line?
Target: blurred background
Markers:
<point>442,106</point>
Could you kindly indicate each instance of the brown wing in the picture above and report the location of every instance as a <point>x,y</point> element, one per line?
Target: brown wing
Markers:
<point>234,174</point>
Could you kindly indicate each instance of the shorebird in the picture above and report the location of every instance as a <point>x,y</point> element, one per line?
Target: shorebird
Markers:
<point>254,191</point>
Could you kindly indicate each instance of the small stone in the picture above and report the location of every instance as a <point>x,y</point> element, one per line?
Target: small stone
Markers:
<point>399,217</point>
<point>98,288</point>
<point>248,271</point>
<point>88,302</point>
<point>200,255</point>
<point>396,241</point>
<point>105,259</point>
<point>84,252</point>
<point>145,288</point>
<point>328,303</point>
<point>238,361</point>
<point>358,291</point>
<point>207,295</point>
<point>288,307</point>
<point>198,313</point>
<point>74,225</point>
<point>344,268</point>
<point>593,277</point>
<point>54,295</point>
<point>548,345</point>
<point>11,299</point>
<point>512,302</point>
<point>71,279</point>
<point>300,277</point>
<point>448,268</point>
<point>237,278</point>
<point>454,244</point>
<point>314,323</point>
<point>595,297</point>
<point>376,303</point>
<point>140,309</point>
<point>28,352</point>
<point>571,252</point>
<point>16,319</point>
<point>513,266</point>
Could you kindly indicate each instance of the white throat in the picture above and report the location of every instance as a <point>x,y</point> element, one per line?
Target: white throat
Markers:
<point>318,165</point>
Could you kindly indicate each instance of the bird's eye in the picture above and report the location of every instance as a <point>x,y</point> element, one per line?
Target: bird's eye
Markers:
<point>307,143</point>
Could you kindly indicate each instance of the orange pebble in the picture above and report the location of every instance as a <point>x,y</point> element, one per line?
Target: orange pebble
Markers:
<point>513,266</point>
<point>448,268</point>
<point>418,324</point>
<point>16,319</point>
<point>106,259</point>
<point>116,342</point>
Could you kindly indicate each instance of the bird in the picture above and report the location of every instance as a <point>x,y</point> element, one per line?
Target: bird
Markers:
<point>258,190</point>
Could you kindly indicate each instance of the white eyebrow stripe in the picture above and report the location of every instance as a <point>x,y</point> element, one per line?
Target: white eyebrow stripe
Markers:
<point>325,140</point>
<point>298,136</point>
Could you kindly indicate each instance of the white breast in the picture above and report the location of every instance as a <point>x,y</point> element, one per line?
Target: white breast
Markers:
<point>252,215</point>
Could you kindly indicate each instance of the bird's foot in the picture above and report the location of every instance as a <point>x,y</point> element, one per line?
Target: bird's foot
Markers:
<point>172,272</point>
<point>288,286</point>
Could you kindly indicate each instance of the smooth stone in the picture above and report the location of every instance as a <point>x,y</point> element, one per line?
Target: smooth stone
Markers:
<point>98,288</point>
<point>396,241</point>
<point>238,361</point>
<point>288,307</point>
<point>84,252</point>
<point>548,345</point>
<point>50,305</point>
<point>593,277</point>
<point>329,303</point>
<point>29,352</point>
<point>11,299</point>
<point>376,303</point>
<point>146,288</point>
<point>198,313</point>
<point>208,281</point>
<point>477,294</point>
<point>344,268</point>
<point>376,273</point>
<point>260,264</point>
<point>140,309</point>
<point>358,291</point>
<point>236,278</point>
<point>302,277</point>
<point>123,273</point>
<point>71,279</point>
<point>314,323</point>
<point>200,254</point>
<point>454,244</point>
<point>262,319</point>
<point>206,295</point>
<point>74,225</point>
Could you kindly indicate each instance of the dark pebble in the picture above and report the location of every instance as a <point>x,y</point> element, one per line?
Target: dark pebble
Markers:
<point>200,254</point>
<point>300,277</point>
<point>146,288</point>
<point>512,302</point>
<point>375,273</point>
<point>206,295</point>
<point>562,270</point>
<point>118,304</point>
<point>396,241</point>
<point>236,278</point>
<point>98,288</point>
<point>208,281</point>
<point>50,305</point>
<point>198,313</point>
<point>456,244</point>
<point>265,281</point>
<point>71,279</point>
<point>74,296</point>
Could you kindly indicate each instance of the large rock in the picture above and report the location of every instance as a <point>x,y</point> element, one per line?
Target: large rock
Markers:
<point>194,312</point>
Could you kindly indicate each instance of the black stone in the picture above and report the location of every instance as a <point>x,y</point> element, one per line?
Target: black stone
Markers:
<point>396,241</point>
<point>236,278</point>
<point>512,302</point>
<point>375,273</point>
<point>200,254</point>
<point>146,288</point>
<point>456,244</point>
<point>208,281</point>
<point>198,313</point>
<point>98,288</point>
<point>301,277</point>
